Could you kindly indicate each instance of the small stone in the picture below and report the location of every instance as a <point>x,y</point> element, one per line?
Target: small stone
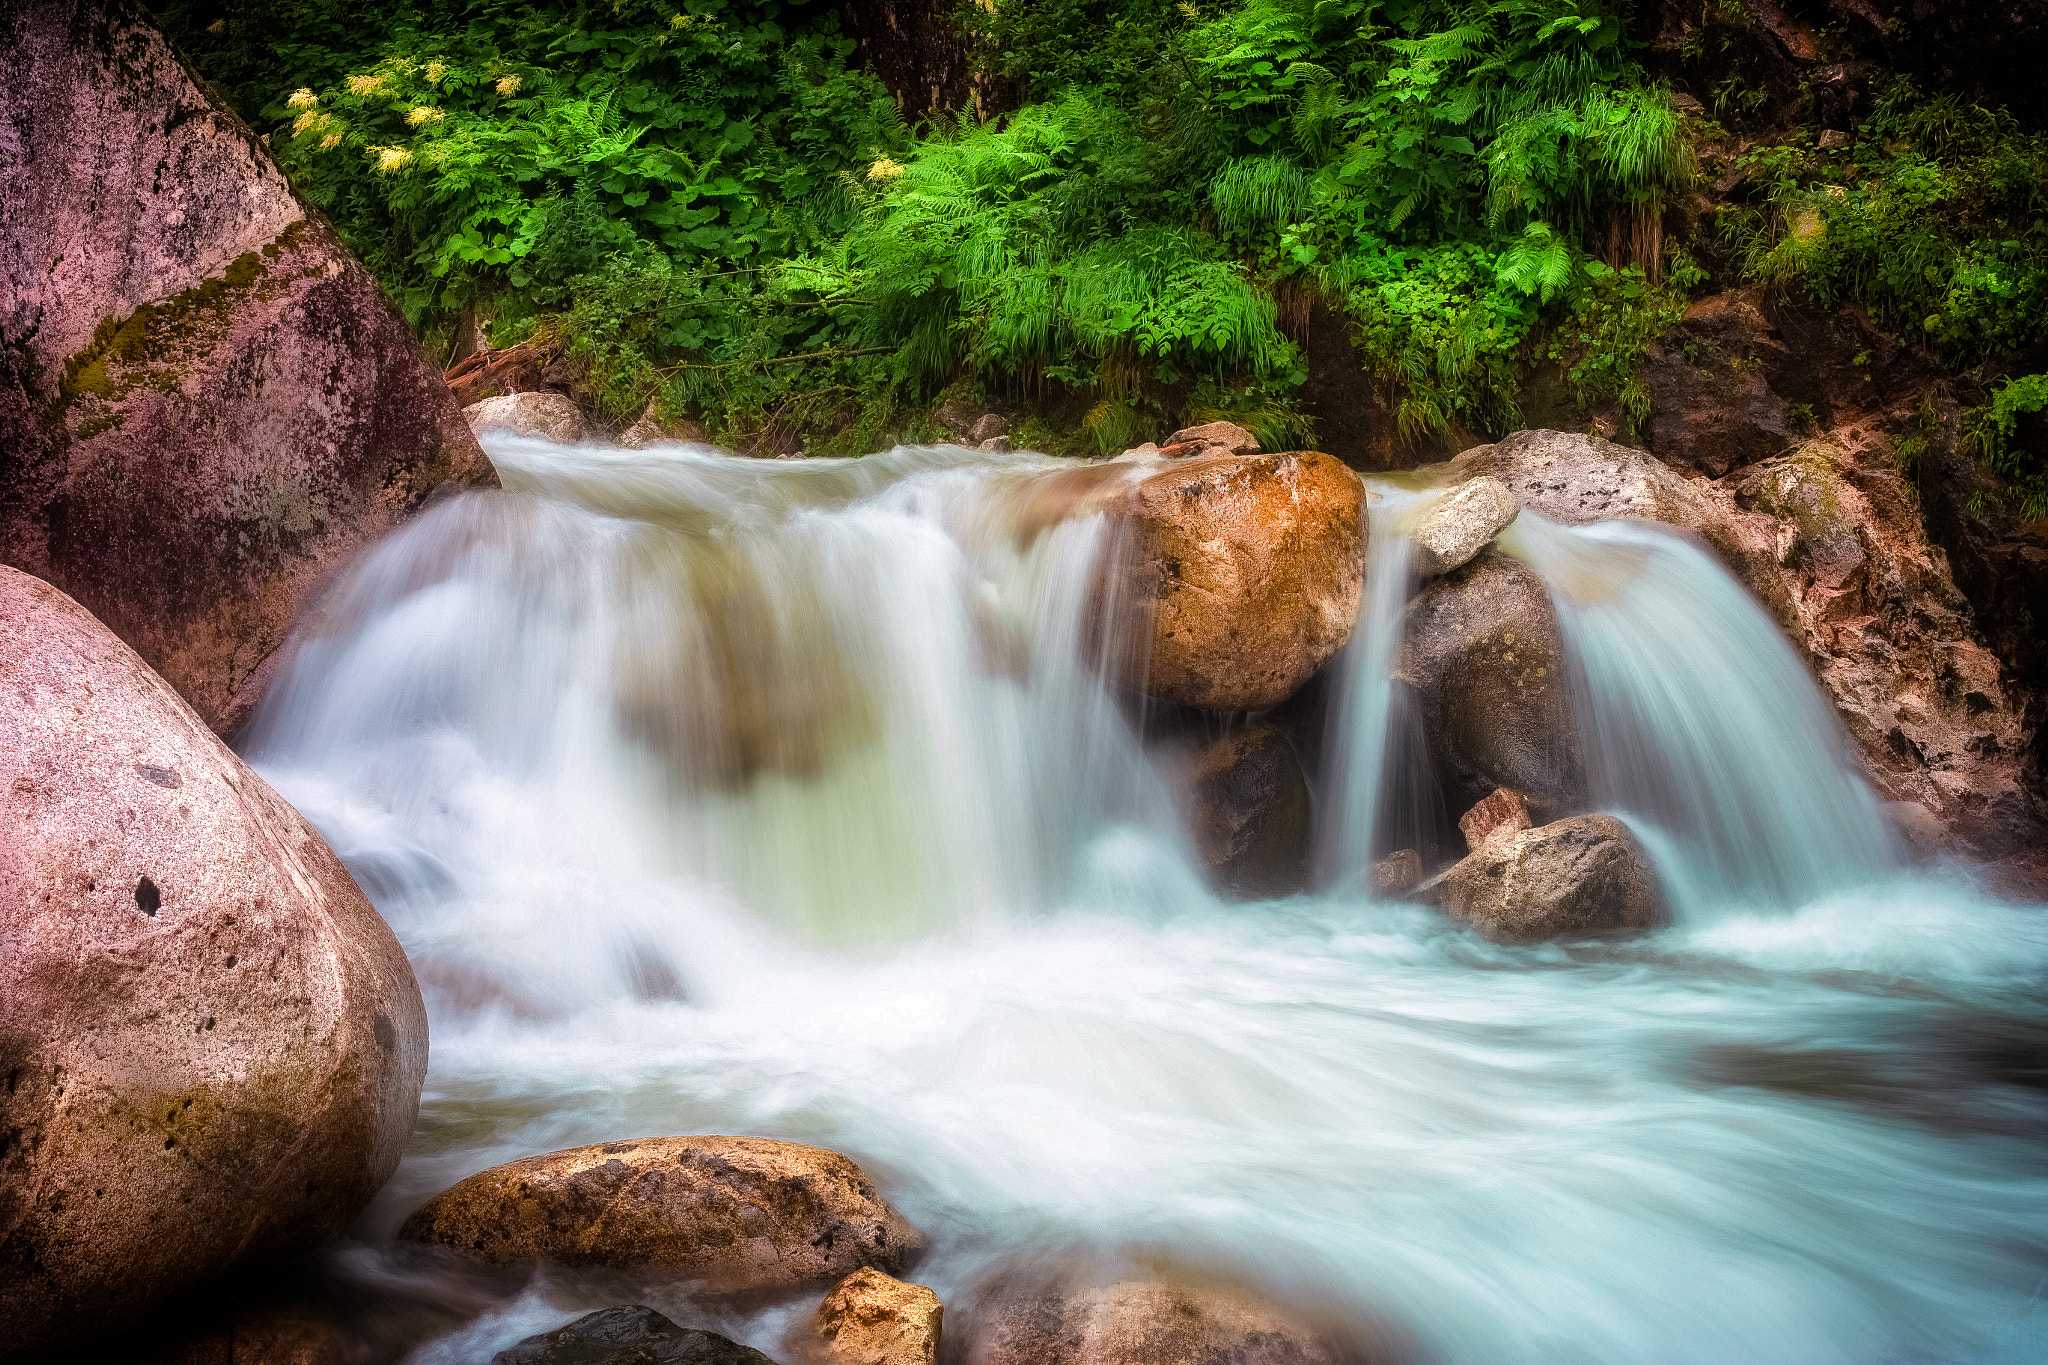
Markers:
<point>649,430</point>
<point>1395,875</point>
<point>872,1319</point>
<point>999,445</point>
<point>1460,524</point>
<point>1504,812</point>
<point>631,1335</point>
<point>987,428</point>
<point>1585,874</point>
<point>548,416</point>
<point>1232,438</point>
<point>1833,140</point>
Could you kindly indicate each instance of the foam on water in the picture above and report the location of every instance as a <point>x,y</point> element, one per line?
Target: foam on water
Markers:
<point>937,914</point>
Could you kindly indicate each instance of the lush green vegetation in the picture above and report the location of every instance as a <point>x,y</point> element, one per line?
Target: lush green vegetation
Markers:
<point>713,203</point>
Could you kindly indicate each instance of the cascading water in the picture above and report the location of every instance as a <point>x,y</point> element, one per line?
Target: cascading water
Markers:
<point>1700,724</point>
<point>716,795</point>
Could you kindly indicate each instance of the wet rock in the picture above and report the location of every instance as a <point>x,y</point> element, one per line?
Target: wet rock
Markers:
<point>1142,1322</point>
<point>549,416</point>
<point>1504,812</point>
<point>1251,814</point>
<point>871,1319</point>
<point>735,1214</point>
<point>631,1335</point>
<point>969,422</point>
<point>1483,655</point>
<point>1211,438</point>
<point>213,1046</point>
<point>1460,524</point>
<point>1396,874</point>
<point>207,404</point>
<point>1249,569</point>
<point>989,427</point>
<point>649,429</point>
<point>1585,874</point>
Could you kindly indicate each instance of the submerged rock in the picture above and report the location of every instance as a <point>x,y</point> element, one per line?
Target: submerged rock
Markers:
<point>1141,1322</point>
<point>206,404</point>
<point>1584,874</point>
<point>1251,813</point>
<point>1483,655</point>
<point>1248,568</point>
<point>734,1214</point>
<point>631,1335</point>
<point>212,1045</point>
<point>872,1319</point>
<point>1396,874</point>
<point>1460,524</point>
<point>549,416</point>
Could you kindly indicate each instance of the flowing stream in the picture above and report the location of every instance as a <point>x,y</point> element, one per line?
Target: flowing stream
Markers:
<point>783,798</point>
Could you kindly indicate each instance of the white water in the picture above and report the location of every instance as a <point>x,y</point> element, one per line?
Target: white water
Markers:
<point>945,923</point>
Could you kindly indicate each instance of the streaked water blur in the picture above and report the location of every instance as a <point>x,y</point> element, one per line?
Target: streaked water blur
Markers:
<point>714,795</point>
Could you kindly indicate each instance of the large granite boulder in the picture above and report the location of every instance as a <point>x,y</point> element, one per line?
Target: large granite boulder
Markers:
<point>1248,568</point>
<point>205,403</point>
<point>733,1214</point>
<point>1582,875</point>
<point>212,1045</point>
<point>1484,660</point>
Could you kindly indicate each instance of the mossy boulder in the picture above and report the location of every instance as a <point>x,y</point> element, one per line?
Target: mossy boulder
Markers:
<point>206,404</point>
<point>211,1046</point>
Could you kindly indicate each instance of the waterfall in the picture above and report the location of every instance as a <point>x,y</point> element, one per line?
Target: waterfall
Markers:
<point>858,698</point>
<point>1701,726</point>
<point>711,795</point>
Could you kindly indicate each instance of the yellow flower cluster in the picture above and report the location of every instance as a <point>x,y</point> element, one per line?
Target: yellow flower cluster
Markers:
<point>435,71</point>
<point>372,84</point>
<point>422,114</point>
<point>679,21</point>
<point>330,142</point>
<point>301,98</point>
<point>391,160</point>
<point>508,86</point>
<point>884,169</point>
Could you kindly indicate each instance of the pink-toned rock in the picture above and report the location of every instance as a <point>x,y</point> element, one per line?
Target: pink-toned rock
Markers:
<point>733,1214</point>
<point>212,1045</point>
<point>205,403</point>
<point>1503,812</point>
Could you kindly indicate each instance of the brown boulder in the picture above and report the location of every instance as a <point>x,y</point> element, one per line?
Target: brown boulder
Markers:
<point>871,1319</point>
<point>735,1214</point>
<point>1251,813</point>
<point>1142,1322</point>
<point>207,403</point>
<point>214,1047</point>
<point>1396,874</point>
<point>1249,569</point>
<point>1711,404</point>
<point>1582,875</point>
<point>1483,656</point>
